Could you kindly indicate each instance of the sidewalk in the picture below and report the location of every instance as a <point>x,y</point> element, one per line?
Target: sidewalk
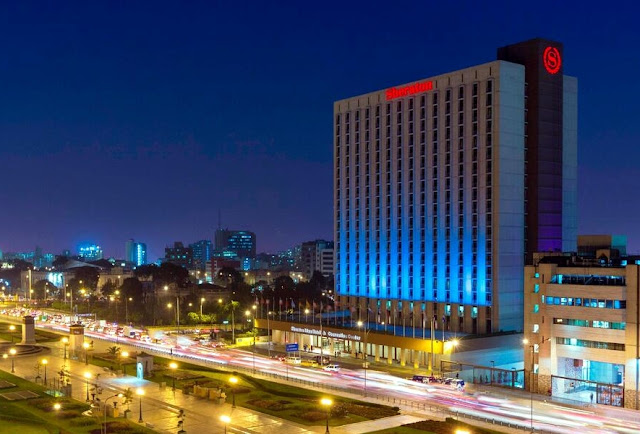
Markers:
<point>160,407</point>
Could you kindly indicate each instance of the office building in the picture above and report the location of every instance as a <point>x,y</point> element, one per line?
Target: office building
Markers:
<point>316,256</point>
<point>446,186</point>
<point>243,243</point>
<point>582,329</point>
<point>90,252</point>
<point>135,252</point>
<point>202,253</point>
<point>179,255</point>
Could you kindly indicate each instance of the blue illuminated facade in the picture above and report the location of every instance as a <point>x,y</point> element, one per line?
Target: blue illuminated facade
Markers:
<point>136,252</point>
<point>429,202</point>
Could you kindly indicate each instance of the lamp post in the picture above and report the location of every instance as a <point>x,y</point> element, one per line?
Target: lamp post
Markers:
<point>268,332</point>
<point>173,366</point>
<point>140,393</point>
<point>86,346</point>
<point>124,355</point>
<point>306,315</point>
<point>44,362</point>
<point>525,342</point>
<point>233,381</point>
<point>225,420</point>
<point>12,329</point>
<point>12,353</point>
<point>126,309</point>
<point>87,376</point>
<point>65,344</point>
<point>326,402</point>
<point>365,364</point>
<point>202,300</point>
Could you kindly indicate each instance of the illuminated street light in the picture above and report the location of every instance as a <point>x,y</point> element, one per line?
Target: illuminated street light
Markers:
<point>233,381</point>
<point>173,366</point>
<point>65,344</point>
<point>86,346</point>
<point>226,420</point>
<point>12,353</point>
<point>44,362</point>
<point>140,393</point>
<point>12,329</point>
<point>326,402</point>
<point>87,376</point>
<point>124,355</point>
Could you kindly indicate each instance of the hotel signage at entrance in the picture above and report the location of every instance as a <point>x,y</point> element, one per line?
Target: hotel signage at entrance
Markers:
<point>326,333</point>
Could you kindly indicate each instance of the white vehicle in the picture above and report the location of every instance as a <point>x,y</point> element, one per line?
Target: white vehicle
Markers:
<point>332,368</point>
<point>293,360</point>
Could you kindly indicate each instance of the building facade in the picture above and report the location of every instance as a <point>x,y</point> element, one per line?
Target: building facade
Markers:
<point>316,256</point>
<point>444,186</point>
<point>242,243</point>
<point>90,252</point>
<point>582,330</point>
<point>179,255</point>
<point>135,252</point>
<point>202,253</point>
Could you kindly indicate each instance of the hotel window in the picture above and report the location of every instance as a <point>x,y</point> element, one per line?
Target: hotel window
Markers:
<point>536,328</point>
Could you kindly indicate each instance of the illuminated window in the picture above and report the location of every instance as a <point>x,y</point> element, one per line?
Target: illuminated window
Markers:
<point>536,308</point>
<point>536,328</point>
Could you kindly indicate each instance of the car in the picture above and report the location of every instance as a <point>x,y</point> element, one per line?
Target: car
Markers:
<point>331,368</point>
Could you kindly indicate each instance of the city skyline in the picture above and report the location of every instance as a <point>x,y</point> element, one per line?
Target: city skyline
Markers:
<point>153,134</point>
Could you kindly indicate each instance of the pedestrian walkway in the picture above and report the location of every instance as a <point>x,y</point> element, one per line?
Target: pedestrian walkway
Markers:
<point>160,406</point>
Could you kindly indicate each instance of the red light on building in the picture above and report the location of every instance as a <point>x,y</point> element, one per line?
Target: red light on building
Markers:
<point>552,60</point>
<point>412,89</point>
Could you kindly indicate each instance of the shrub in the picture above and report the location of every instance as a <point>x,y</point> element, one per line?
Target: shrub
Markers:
<point>82,421</point>
<point>314,416</point>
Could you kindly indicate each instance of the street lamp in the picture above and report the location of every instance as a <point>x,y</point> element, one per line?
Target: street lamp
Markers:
<point>87,376</point>
<point>44,362</point>
<point>126,308</point>
<point>202,300</point>
<point>326,402</point>
<point>365,364</point>
<point>225,420</point>
<point>12,329</point>
<point>12,353</point>
<point>306,315</point>
<point>140,393</point>
<point>65,344</point>
<point>233,381</point>
<point>86,346</point>
<point>124,355</point>
<point>173,366</point>
<point>525,342</point>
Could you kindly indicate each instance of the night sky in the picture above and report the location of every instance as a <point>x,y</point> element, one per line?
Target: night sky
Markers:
<point>146,119</point>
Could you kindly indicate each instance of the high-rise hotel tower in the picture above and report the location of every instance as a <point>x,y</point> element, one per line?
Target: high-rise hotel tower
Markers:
<point>445,186</point>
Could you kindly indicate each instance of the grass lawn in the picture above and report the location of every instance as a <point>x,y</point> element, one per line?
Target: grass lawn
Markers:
<point>448,426</point>
<point>38,415</point>
<point>280,400</point>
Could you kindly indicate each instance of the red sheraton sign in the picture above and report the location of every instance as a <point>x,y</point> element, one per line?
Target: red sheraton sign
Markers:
<point>412,89</point>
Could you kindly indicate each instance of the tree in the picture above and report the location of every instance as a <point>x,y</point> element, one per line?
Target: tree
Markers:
<point>114,350</point>
<point>284,286</point>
